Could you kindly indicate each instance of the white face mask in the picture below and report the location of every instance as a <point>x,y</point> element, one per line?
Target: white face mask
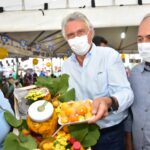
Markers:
<point>79,45</point>
<point>144,51</point>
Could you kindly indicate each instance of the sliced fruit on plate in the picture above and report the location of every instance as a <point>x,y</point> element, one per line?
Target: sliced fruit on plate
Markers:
<point>75,111</point>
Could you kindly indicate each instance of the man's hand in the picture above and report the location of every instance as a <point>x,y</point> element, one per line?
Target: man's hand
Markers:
<point>100,108</point>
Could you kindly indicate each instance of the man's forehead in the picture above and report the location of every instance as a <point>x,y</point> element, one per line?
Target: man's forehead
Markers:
<point>75,25</point>
<point>76,22</point>
<point>144,27</point>
<point>146,22</point>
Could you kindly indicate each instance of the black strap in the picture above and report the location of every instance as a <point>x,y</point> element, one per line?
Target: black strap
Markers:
<point>140,2</point>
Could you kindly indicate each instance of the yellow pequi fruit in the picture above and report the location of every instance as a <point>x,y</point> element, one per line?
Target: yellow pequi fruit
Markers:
<point>47,97</point>
<point>46,128</point>
<point>59,142</point>
<point>46,144</point>
<point>55,102</point>
<point>25,132</point>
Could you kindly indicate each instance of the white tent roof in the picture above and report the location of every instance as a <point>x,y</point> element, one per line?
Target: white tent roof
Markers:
<point>24,21</point>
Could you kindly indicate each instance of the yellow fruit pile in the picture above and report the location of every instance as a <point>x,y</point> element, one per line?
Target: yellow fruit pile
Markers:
<point>60,142</point>
<point>75,111</point>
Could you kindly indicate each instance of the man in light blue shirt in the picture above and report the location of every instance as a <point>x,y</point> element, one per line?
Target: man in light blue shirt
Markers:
<point>97,73</point>
<point>4,127</point>
<point>137,124</point>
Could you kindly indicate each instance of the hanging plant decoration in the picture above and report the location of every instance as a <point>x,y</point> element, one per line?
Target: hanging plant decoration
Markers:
<point>5,38</point>
<point>65,58</point>
<point>35,61</point>
<point>3,53</point>
<point>48,64</point>
<point>23,43</point>
<point>123,56</point>
<point>38,47</point>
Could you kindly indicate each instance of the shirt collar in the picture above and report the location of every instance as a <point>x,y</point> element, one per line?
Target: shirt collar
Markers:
<point>73,56</point>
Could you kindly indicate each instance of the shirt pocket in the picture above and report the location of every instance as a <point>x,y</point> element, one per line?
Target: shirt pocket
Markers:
<point>101,83</point>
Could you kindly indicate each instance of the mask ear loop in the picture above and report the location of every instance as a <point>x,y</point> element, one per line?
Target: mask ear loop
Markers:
<point>92,35</point>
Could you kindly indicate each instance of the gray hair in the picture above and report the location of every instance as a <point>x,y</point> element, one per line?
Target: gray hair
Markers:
<point>146,16</point>
<point>76,16</point>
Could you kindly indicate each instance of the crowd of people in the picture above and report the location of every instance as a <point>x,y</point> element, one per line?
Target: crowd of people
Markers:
<point>96,71</point>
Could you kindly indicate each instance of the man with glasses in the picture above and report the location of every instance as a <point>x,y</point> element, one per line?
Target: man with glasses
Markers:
<point>138,122</point>
<point>97,73</point>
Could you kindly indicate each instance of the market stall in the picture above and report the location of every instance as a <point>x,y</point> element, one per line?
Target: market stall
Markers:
<point>48,118</point>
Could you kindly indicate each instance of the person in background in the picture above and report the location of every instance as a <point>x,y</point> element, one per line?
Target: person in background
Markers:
<point>18,84</point>
<point>10,92</point>
<point>53,76</point>
<point>27,79</point>
<point>97,73</point>
<point>4,126</point>
<point>34,76</point>
<point>42,74</point>
<point>20,79</point>
<point>5,86</point>
<point>100,41</point>
<point>137,125</point>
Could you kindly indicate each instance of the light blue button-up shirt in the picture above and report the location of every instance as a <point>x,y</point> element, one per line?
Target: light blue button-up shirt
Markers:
<point>4,127</point>
<point>140,124</point>
<point>102,74</point>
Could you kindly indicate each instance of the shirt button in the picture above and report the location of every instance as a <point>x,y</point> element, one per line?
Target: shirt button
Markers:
<point>142,129</point>
<point>146,110</point>
<point>142,147</point>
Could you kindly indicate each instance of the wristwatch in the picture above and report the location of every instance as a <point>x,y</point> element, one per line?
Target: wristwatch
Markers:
<point>114,105</point>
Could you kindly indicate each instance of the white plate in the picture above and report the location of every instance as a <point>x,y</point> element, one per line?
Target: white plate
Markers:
<point>70,123</point>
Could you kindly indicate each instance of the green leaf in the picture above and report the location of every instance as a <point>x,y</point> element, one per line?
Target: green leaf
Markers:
<point>63,84</point>
<point>67,96</point>
<point>78,131</point>
<point>12,120</point>
<point>93,135</point>
<point>22,138</point>
<point>56,86</point>
<point>46,82</point>
<point>87,134</point>
<point>29,142</point>
<point>12,143</point>
<point>24,124</point>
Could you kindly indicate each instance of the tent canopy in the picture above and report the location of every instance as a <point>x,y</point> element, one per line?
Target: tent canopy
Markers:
<point>40,30</point>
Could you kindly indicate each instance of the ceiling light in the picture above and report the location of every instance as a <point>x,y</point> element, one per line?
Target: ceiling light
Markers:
<point>123,35</point>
